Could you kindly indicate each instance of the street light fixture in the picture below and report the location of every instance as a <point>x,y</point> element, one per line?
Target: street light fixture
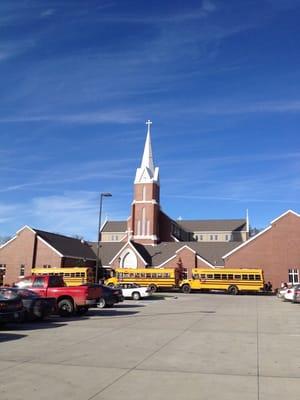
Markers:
<point>106,194</point>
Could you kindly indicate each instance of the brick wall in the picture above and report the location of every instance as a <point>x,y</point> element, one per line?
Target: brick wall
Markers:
<point>275,251</point>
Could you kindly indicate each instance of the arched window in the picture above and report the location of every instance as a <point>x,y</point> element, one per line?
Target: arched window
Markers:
<point>128,259</point>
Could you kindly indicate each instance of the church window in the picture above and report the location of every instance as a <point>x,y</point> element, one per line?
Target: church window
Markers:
<point>22,270</point>
<point>294,275</point>
<point>2,269</point>
<point>143,222</point>
<point>211,237</point>
<point>216,237</point>
<point>129,260</point>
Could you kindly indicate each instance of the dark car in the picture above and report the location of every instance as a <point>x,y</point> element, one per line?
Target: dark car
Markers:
<point>11,308</point>
<point>296,298</point>
<point>35,306</point>
<point>110,296</point>
<point>107,296</point>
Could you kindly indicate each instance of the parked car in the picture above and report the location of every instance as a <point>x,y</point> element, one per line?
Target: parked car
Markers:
<point>35,306</point>
<point>134,291</point>
<point>70,299</point>
<point>108,296</point>
<point>296,298</point>
<point>11,308</point>
<point>289,294</point>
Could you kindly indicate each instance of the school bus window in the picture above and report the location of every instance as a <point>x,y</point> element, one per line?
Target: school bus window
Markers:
<point>137,275</point>
<point>257,277</point>
<point>159,275</point>
<point>77,274</point>
<point>67,274</point>
<point>154,276</point>
<point>209,276</point>
<point>230,276</point>
<point>224,276</point>
<point>202,276</point>
<point>237,276</point>
<point>131,275</point>
<point>251,277</point>
<point>72,275</point>
<point>217,276</point>
<point>142,275</point>
<point>148,275</point>
<point>196,276</point>
<point>245,277</point>
<point>125,275</point>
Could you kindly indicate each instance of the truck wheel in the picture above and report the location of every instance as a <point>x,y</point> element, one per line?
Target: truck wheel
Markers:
<point>136,296</point>
<point>66,308</point>
<point>186,288</point>
<point>101,303</point>
<point>233,290</point>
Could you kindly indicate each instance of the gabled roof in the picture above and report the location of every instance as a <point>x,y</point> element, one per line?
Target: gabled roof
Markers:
<point>67,246</point>
<point>213,225</point>
<point>210,252</point>
<point>262,232</point>
<point>115,226</point>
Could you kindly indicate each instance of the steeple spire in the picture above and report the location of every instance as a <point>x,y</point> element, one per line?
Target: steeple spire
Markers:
<point>147,171</point>
<point>147,160</point>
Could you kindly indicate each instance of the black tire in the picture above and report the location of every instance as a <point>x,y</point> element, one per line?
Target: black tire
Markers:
<point>136,296</point>
<point>66,308</point>
<point>101,303</point>
<point>233,290</point>
<point>186,288</point>
<point>153,288</point>
<point>82,310</point>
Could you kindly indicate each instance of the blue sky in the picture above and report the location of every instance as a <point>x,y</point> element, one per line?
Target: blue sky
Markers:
<point>219,79</point>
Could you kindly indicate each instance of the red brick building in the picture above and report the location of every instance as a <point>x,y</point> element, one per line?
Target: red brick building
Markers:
<point>150,238</point>
<point>276,250</point>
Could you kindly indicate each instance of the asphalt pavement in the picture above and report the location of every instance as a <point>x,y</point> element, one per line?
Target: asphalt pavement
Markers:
<point>174,346</point>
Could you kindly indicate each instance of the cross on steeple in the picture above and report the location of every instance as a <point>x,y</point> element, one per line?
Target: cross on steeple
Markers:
<point>148,123</point>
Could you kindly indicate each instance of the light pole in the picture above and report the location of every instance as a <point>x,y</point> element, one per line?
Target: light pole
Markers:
<point>99,233</point>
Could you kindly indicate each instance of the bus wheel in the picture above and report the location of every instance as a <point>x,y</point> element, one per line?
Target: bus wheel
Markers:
<point>111,285</point>
<point>233,290</point>
<point>153,288</point>
<point>186,288</point>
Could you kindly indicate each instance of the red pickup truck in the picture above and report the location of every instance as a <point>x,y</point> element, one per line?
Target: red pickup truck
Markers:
<point>70,299</point>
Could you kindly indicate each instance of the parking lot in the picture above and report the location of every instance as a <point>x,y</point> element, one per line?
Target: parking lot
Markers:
<point>175,346</point>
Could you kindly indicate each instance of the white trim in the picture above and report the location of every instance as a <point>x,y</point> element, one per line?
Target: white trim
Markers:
<point>187,247</point>
<point>17,234</point>
<point>144,202</point>
<point>284,214</point>
<point>149,237</point>
<point>175,238</point>
<point>169,259</point>
<point>49,245</point>
<point>205,262</point>
<point>247,241</point>
<point>123,248</point>
<point>262,232</point>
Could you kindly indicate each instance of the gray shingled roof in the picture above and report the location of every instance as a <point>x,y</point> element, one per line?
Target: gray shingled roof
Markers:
<point>211,252</point>
<point>212,225</point>
<point>67,246</point>
<point>107,250</point>
<point>115,226</point>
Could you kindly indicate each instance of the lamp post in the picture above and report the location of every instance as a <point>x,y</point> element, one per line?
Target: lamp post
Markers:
<point>99,233</point>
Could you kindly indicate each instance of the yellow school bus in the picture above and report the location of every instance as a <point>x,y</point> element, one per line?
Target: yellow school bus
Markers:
<point>73,276</point>
<point>232,280</point>
<point>155,278</point>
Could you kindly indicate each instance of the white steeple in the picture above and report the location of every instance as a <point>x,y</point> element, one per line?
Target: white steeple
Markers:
<point>147,173</point>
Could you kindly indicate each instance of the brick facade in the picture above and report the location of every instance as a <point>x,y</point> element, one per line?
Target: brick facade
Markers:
<point>276,250</point>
